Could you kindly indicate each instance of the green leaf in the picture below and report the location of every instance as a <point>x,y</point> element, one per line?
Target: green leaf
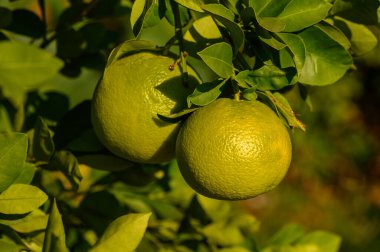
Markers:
<point>195,4</point>
<point>226,17</point>
<point>287,235</point>
<point>334,33</point>
<point>21,198</point>
<point>223,233</point>
<point>284,109</point>
<point>26,175</point>
<point>202,29</point>
<point>13,148</point>
<point>11,247</point>
<point>127,47</point>
<point>66,162</point>
<point>144,14</point>
<point>219,58</point>
<point>25,65</point>
<point>268,77</point>
<point>169,15</point>
<point>123,234</point>
<point>206,93</point>
<point>177,117</point>
<point>43,145</point>
<point>249,94</point>
<point>5,17</point>
<point>5,120</point>
<point>358,11</point>
<point>319,59</point>
<point>27,23</point>
<point>106,162</point>
<point>361,38</point>
<point>35,221</point>
<point>322,241</point>
<point>269,39</point>
<point>55,237</point>
<point>289,15</point>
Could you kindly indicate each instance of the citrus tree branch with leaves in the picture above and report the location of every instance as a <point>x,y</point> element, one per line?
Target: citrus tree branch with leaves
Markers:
<point>66,185</point>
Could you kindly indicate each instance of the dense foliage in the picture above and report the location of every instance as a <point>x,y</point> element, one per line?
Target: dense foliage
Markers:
<point>61,190</point>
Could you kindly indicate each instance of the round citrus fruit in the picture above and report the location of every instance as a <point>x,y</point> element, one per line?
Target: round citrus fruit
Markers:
<point>233,150</point>
<point>126,102</point>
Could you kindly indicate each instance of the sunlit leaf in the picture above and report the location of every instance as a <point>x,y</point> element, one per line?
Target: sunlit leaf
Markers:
<point>177,117</point>
<point>123,234</point>
<point>322,240</point>
<point>289,15</point>
<point>21,198</point>
<point>206,93</point>
<point>13,148</point>
<point>219,58</point>
<point>319,59</point>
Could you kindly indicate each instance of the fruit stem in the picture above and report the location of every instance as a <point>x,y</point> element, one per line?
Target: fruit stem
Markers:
<point>178,34</point>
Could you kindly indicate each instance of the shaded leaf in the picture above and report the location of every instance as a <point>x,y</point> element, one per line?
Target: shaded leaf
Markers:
<point>43,145</point>
<point>358,11</point>
<point>13,148</point>
<point>177,117</point>
<point>55,237</point>
<point>362,39</point>
<point>123,234</point>
<point>219,58</point>
<point>334,33</point>
<point>226,17</point>
<point>289,15</point>
<point>70,43</point>
<point>144,14</point>
<point>5,17</point>
<point>319,59</point>
<point>21,198</point>
<point>169,15</point>
<point>105,162</point>
<point>206,93</point>
<point>67,163</point>
<point>25,65</point>
<point>26,23</point>
<point>249,94</point>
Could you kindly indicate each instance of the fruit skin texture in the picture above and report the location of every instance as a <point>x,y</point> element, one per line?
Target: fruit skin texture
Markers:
<point>126,102</point>
<point>233,150</point>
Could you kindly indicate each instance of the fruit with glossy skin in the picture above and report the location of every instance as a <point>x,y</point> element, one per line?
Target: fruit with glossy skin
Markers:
<point>126,102</point>
<point>233,150</point>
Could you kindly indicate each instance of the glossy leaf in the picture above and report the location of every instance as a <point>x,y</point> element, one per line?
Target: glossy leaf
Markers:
<point>219,58</point>
<point>206,93</point>
<point>127,47</point>
<point>25,65</point>
<point>123,234</point>
<point>13,148</point>
<point>334,33</point>
<point>21,199</point>
<point>55,237</point>
<point>204,28</point>
<point>226,17</point>
<point>319,59</point>
<point>289,15</point>
<point>362,39</point>
<point>268,77</point>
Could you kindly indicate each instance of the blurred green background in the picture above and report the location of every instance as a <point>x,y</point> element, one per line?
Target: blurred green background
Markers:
<point>334,180</point>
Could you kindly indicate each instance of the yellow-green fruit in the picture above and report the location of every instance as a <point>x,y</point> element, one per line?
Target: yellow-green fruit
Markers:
<point>233,150</point>
<point>126,102</point>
